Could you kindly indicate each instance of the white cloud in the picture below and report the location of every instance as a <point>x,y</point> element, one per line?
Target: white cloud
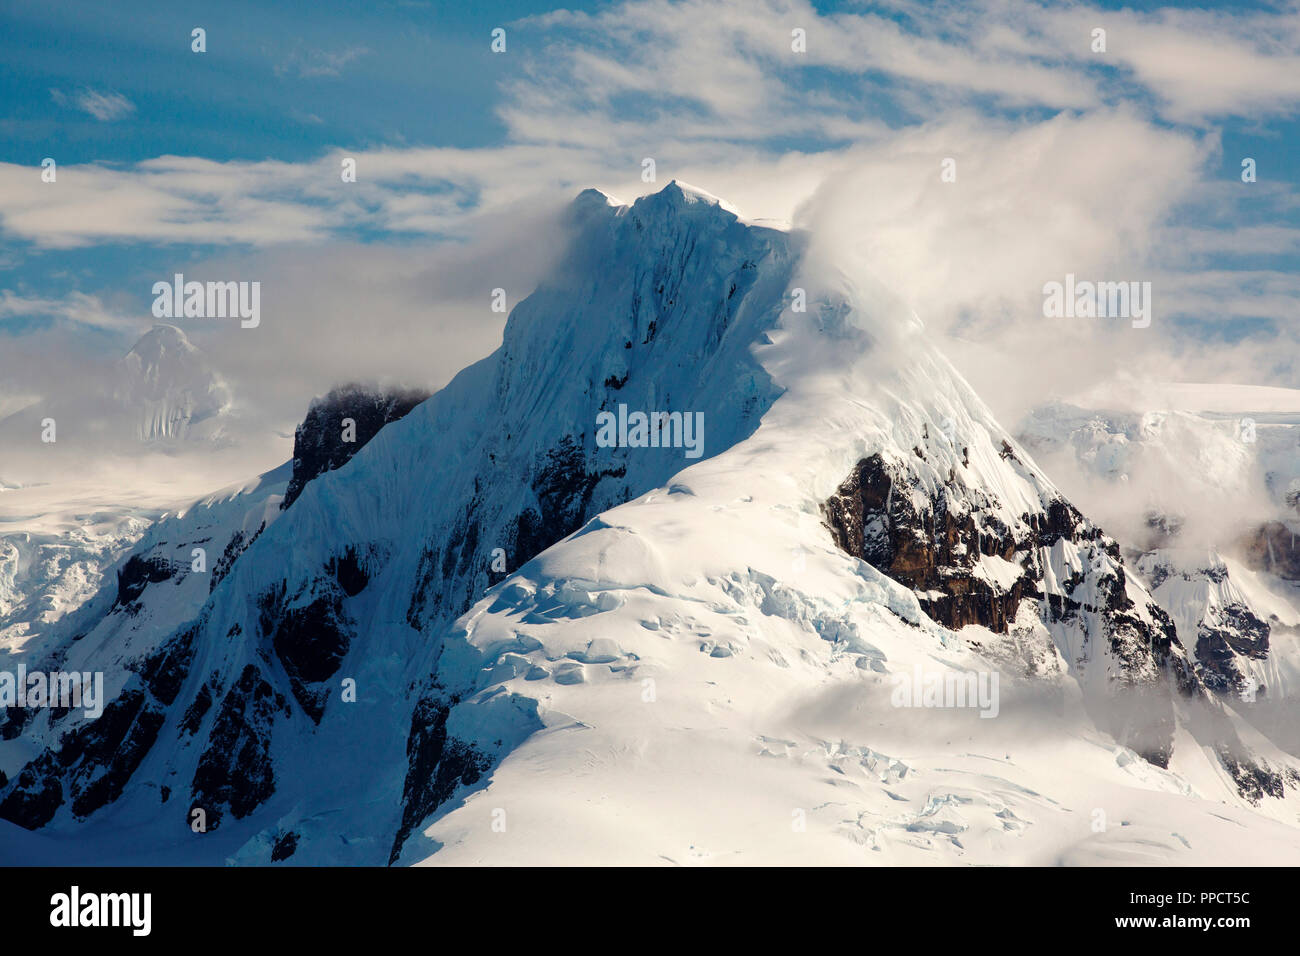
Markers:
<point>106,106</point>
<point>312,63</point>
<point>1067,161</point>
<point>76,307</point>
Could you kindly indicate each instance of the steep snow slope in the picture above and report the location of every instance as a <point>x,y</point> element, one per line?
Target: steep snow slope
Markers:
<point>156,579</point>
<point>146,593</point>
<point>704,668</point>
<point>656,307</point>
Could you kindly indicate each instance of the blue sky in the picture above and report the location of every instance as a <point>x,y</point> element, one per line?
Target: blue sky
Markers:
<point>284,81</point>
<point>170,160</point>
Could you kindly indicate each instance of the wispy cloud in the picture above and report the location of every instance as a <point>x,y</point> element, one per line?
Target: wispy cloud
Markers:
<point>309,63</point>
<point>105,105</point>
<point>1068,160</point>
<point>77,308</point>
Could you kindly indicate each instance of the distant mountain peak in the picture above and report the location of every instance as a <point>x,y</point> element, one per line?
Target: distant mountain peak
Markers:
<point>160,337</point>
<point>167,385</point>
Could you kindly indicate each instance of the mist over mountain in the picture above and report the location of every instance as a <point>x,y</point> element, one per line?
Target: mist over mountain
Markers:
<point>164,390</point>
<point>169,389</point>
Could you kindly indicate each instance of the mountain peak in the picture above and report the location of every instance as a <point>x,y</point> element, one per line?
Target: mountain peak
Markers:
<point>160,339</point>
<point>687,193</point>
<point>167,383</point>
<point>676,197</point>
<point>682,197</point>
<point>597,197</point>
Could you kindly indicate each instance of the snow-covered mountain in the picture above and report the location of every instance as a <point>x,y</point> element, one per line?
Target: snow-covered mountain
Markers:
<point>84,501</point>
<point>163,391</point>
<point>168,385</point>
<point>846,619</point>
<point>1205,480</point>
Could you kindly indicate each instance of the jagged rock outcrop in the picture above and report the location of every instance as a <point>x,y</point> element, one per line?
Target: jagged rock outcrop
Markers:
<point>138,573</point>
<point>1214,618</point>
<point>969,561</point>
<point>339,425</point>
<point>95,759</point>
<point>236,771</point>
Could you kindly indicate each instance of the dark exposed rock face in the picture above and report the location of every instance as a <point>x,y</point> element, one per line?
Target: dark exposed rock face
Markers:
<point>1274,548</point>
<point>562,500</point>
<point>1255,780</point>
<point>286,844</point>
<point>563,487</point>
<point>93,762</point>
<point>1227,633</point>
<point>437,765</point>
<point>137,574</point>
<point>235,770</point>
<point>237,545</point>
<point>319,443</point>
<point>310,640</point>
<point>36,793</point>
<point>197,710</point>
<point>13,721</point>
<point>349,571</point>
<point>935,548</point>
<point>1236,631</point>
